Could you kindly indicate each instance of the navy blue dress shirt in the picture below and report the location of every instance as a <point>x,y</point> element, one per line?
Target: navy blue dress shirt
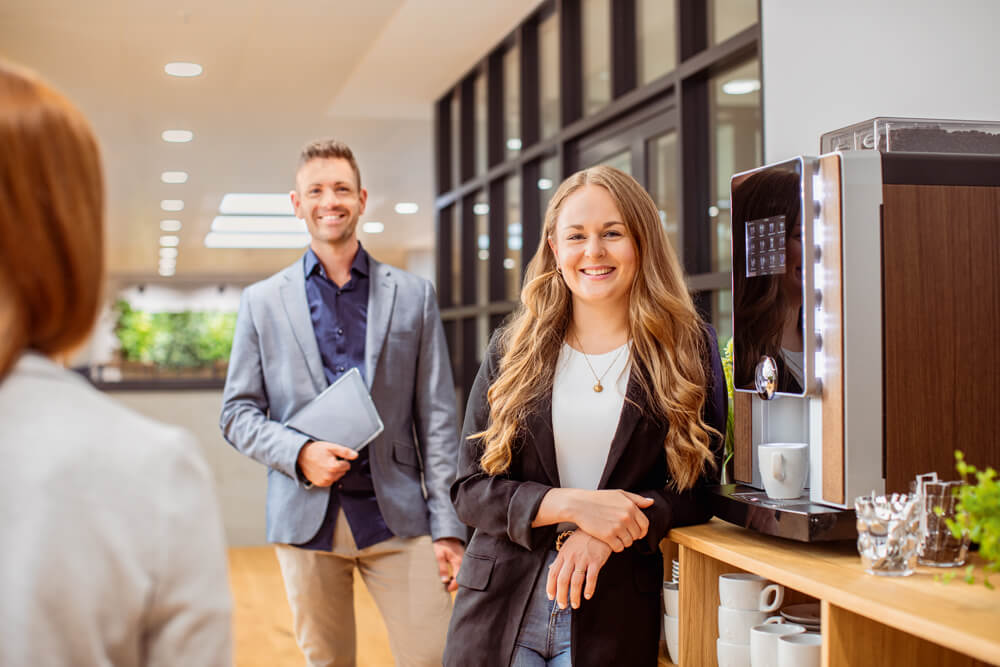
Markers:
<point>339,317</point>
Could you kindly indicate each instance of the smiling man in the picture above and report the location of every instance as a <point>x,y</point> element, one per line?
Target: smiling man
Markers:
<point>330,510</point>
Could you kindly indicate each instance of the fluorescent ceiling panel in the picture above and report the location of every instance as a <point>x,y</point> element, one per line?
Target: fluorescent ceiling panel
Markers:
<point>247,240</point>
<point>249,203</point>
<point>259,224</point>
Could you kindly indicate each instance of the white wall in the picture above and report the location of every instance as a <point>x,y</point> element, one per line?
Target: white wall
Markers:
<point>827,64</point>
<point>240,483</point>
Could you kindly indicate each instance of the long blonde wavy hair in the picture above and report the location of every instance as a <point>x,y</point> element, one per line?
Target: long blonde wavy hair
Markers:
<point>668,346</point>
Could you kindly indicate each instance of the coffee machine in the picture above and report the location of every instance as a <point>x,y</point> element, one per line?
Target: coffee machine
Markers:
<point>866,299</point>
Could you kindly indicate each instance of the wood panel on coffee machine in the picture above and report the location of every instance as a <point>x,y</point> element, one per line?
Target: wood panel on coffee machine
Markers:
<point>941,282</point>
<point>828,237</point>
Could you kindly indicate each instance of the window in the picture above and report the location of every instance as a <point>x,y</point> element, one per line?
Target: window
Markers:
<point>596,20</point>
<point>679,110</point>
<point>656,39</point>
<point>512,101</point>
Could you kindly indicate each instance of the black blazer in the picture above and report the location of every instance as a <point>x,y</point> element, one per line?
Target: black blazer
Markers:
<point>620,624</point>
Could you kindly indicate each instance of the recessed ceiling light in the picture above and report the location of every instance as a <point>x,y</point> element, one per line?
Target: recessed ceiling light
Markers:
<point>170,225</point>
<point>177,136</point>
<point>407,208</point>
<point>225,240</point>
<point>259,224</point>
<point>256,203</point>
<point>484,255</point>
<point>514,144</point>
<point>172,205</point>
<point>170,241</point>
<point>483,241</point>
<point>168,253</point>
<point>182,69</point>
<point>373,227</point>
<point>544,183</point>
<point>480,209</point>
<point>508,263</point>
<point>741,86</point>
<point>174,177</point>
<point>514,229</point>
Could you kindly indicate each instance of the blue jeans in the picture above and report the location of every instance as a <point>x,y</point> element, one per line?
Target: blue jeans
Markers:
<point>544,638</point>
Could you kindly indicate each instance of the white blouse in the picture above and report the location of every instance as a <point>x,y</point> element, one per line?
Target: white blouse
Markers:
<point>584,421</point>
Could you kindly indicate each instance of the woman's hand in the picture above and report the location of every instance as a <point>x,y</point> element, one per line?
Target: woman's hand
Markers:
<point>575,569</point>
<point>613,516</point>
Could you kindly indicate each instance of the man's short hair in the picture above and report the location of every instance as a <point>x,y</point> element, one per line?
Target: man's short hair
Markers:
<point>329,149</point>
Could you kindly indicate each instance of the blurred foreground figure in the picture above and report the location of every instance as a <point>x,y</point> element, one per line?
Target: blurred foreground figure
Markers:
<point>112,540</point>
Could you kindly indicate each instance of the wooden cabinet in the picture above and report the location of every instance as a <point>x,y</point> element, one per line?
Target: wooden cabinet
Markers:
<point>867,620</point>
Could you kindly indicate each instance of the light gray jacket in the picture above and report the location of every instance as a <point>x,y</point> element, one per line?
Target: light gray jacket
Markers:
<point>112,538</point>
<point>275,369</point>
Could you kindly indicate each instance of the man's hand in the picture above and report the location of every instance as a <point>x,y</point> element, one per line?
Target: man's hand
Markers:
<point>449,551</point>
<point>323,463</point>
<point>574,571</point>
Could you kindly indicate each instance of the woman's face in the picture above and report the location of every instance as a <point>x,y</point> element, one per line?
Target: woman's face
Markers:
<point>594,248</point>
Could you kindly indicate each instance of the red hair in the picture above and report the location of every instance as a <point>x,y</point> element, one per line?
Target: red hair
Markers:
<point>51,219</point>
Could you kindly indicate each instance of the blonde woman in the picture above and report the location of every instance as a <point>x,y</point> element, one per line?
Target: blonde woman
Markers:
<point>591,430</point>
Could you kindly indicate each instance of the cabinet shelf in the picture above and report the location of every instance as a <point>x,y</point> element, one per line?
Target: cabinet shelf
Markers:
<point>867,620</point>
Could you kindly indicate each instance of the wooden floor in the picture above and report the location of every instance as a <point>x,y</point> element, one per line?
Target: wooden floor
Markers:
<point>262,621</point>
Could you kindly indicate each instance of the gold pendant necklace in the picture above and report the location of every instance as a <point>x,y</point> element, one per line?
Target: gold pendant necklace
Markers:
<point>598,387</point>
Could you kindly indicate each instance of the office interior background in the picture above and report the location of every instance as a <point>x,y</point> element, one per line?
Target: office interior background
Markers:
<point>471,113</point>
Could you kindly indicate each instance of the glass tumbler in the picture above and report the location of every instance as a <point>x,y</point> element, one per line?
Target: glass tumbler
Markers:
<point>888,533</point>
<point>938,546</point>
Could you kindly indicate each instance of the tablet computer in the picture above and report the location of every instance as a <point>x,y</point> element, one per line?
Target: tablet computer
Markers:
<point>343,413</point>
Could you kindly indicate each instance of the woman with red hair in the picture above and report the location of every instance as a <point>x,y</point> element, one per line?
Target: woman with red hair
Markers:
<point>112,540</point>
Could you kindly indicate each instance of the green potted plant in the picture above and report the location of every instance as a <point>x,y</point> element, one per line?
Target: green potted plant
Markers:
<point>978,514</point>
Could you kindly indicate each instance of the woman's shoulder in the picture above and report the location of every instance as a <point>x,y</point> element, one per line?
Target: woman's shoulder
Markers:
<point>42,402</point>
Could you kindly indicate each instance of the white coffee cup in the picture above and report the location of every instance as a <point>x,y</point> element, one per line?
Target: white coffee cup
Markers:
<point>800,650</point>
<point>735,624</point>
<point>764,642</point>
<point>742,590</point>
<point>672,632</point>
<point>783,468</point>
<point>671,598</point>
<point>732,655</point>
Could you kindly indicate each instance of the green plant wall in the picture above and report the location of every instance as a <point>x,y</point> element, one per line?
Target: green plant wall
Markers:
<point>184,339</point>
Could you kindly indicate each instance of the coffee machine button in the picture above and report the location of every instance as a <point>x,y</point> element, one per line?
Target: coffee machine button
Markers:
<point>819,341</point>
<point>818,297</point>
<point>817,253</point>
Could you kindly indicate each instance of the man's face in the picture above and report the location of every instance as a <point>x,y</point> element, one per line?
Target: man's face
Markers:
<point>327,197</point>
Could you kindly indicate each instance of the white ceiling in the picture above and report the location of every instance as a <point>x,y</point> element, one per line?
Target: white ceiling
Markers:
<point>366,72</point>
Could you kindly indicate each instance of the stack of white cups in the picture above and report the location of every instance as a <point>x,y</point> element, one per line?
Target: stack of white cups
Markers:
<point>671,631</point>
<point>746,600</point>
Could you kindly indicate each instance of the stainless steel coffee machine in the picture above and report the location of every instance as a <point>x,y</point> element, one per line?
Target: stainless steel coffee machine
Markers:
<point>866,301</point>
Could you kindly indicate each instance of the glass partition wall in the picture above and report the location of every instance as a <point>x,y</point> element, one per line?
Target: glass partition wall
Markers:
<point>666,90</point>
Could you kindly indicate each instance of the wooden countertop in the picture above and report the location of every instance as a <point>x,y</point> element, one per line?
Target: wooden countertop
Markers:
<point>956,615</point>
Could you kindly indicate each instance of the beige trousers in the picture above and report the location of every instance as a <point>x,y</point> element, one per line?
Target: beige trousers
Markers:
<point>402,576</point>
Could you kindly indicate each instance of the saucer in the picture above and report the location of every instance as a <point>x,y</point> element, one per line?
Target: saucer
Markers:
<point>806,614</point>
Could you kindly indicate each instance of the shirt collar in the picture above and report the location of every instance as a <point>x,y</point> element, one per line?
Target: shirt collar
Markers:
<point>359,265</point>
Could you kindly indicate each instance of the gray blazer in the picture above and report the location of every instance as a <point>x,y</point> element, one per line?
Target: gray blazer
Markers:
<point>275,369</point>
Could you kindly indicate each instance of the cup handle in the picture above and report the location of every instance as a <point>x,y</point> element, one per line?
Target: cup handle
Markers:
<point>774,619</point>
<point>779,597</point>
<point>778,466</point>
